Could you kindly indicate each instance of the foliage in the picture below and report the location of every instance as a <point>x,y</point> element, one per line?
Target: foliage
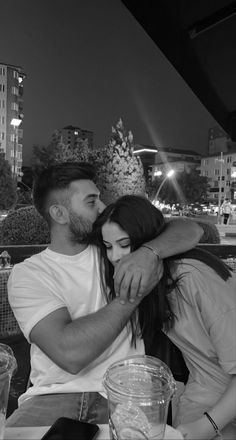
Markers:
<point>27,178</point>
<point>24,226</point>
<point>185,188</point>
<point>24,197</point>
<point>152,187</point>
<point>119,171</point>
<point>57,152</point>
<point>7,185</point>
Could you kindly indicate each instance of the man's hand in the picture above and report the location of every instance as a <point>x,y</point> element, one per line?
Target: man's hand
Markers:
<point>137,274</point>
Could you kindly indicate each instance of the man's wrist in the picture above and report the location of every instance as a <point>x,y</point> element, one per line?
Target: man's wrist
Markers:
<point>153,250</point>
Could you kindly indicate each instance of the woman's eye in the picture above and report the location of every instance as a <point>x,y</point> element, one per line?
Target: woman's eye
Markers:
<point>107,246</point>
<point>125,245</point>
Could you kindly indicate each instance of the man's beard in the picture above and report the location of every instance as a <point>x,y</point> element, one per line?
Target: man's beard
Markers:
<point>80,228</point>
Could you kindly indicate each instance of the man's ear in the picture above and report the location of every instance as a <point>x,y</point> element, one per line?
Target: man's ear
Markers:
<point>59,214</point>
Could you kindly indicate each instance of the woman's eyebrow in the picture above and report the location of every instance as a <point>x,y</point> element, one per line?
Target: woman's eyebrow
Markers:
<point>117,241</point>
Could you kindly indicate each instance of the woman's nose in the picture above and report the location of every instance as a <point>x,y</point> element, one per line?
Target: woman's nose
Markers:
<point>115,256</point>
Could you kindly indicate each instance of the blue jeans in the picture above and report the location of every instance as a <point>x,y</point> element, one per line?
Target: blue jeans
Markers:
<point>43,410</point>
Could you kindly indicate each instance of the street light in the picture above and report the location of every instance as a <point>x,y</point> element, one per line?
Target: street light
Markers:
<point>168,175</point>
<point>15,122</point>
<point>221,160</point>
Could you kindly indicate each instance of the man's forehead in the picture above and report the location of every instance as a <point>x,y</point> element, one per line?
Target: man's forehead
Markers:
<point>84,188</point>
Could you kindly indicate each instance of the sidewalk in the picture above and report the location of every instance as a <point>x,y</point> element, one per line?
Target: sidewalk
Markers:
<point>227,233</point>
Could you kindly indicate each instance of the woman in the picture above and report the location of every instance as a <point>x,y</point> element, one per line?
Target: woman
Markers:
<point>194,304</point>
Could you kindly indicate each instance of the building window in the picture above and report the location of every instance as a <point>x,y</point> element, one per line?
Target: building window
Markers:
<point>14,91</point>
<point>14,106</point>
<point>3,120</point>
<point>3,103</point>
<point>216,184</point>
<point>228,171</point>
<point>12,137</point>
<point>15,74</point>
<point>2,70</point>
<point>2,136</point>
<point>216,172</point>
<point>229,159</point>
<point>228,183</point>
<point>2,88</point>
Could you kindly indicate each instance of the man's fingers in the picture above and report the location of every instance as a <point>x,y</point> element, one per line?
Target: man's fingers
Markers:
<point>123,292</point>
<point>118,278</point>
<point>134,287</point>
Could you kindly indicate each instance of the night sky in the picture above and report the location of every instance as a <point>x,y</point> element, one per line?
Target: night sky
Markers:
<point>88,62</point>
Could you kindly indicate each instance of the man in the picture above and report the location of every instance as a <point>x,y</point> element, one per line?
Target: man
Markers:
<point>226,210</point>
<point>57,299</point>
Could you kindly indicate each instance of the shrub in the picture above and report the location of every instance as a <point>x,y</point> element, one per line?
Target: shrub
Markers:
<point>24,226</point>
<point>211,234</point>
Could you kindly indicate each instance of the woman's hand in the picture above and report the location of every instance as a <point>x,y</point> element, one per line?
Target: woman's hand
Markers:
<point>137,274</point>
<point>200,429</point>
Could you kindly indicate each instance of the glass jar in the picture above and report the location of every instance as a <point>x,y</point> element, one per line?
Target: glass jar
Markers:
<point>139,390</point>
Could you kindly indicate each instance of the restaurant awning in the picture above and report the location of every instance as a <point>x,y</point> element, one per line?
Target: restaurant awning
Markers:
<point>198,37</point>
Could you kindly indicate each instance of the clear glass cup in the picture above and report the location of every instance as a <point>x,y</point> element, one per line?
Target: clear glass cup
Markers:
<point>7,367</point>
<point>139,390</point>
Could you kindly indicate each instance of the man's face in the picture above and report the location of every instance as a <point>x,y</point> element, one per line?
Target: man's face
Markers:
<point>83,209</point>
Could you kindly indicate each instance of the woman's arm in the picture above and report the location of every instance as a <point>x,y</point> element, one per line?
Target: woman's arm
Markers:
<point>222,413</point>
<point>137,272</point>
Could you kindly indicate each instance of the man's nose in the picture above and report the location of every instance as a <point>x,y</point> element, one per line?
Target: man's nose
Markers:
<point>101,206</point>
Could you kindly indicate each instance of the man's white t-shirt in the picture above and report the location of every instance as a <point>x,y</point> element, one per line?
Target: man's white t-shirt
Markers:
<point>49,281</point>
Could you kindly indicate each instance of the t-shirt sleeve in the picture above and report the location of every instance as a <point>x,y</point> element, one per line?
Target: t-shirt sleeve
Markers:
<point>31,297</point>
<point>216,302</point>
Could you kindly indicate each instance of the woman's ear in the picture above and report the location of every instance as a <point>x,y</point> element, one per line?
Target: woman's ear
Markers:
<point>59,214</point>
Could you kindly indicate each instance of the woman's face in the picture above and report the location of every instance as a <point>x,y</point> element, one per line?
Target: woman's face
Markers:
<point>116,241</point>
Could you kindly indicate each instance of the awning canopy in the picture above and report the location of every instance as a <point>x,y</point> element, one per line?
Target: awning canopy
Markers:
<point>198,37</point>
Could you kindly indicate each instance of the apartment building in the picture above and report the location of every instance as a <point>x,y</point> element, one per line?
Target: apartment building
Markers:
<point>70,135</point>
<point>11,115</point>
<point>162,159</point>
<point>220,169</point>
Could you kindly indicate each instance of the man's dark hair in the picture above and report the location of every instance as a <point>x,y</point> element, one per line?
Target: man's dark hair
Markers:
<point>58,177</point>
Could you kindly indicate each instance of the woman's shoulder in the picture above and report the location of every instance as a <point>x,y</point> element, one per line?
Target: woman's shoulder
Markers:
<point>198,277</point>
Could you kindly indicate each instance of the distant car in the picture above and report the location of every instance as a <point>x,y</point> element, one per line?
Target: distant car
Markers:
<point>175,212</point>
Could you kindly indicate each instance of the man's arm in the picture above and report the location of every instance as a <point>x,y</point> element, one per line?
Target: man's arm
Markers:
<point>138,272</point>
<point>73,345</point>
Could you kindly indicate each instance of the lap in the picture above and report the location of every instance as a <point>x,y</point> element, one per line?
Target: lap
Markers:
<point>43,410</point>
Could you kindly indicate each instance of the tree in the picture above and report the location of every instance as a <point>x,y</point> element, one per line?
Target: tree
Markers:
<point>57,152</point>
<point>7,185</point>
<point>119,170</point>
<point>185,188</point>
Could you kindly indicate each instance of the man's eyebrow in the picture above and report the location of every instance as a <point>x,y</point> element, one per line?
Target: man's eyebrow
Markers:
<point>91,196</point>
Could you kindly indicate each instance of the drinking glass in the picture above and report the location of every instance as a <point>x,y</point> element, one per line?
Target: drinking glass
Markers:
<point>139,390</point>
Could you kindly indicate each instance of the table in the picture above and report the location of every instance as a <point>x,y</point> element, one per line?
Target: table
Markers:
<point>36,433</point>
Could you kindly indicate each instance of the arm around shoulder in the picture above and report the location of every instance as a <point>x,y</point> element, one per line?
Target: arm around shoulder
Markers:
<point>180,235</point>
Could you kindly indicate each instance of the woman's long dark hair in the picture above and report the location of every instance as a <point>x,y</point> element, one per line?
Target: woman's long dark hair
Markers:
<point>143,222</point>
